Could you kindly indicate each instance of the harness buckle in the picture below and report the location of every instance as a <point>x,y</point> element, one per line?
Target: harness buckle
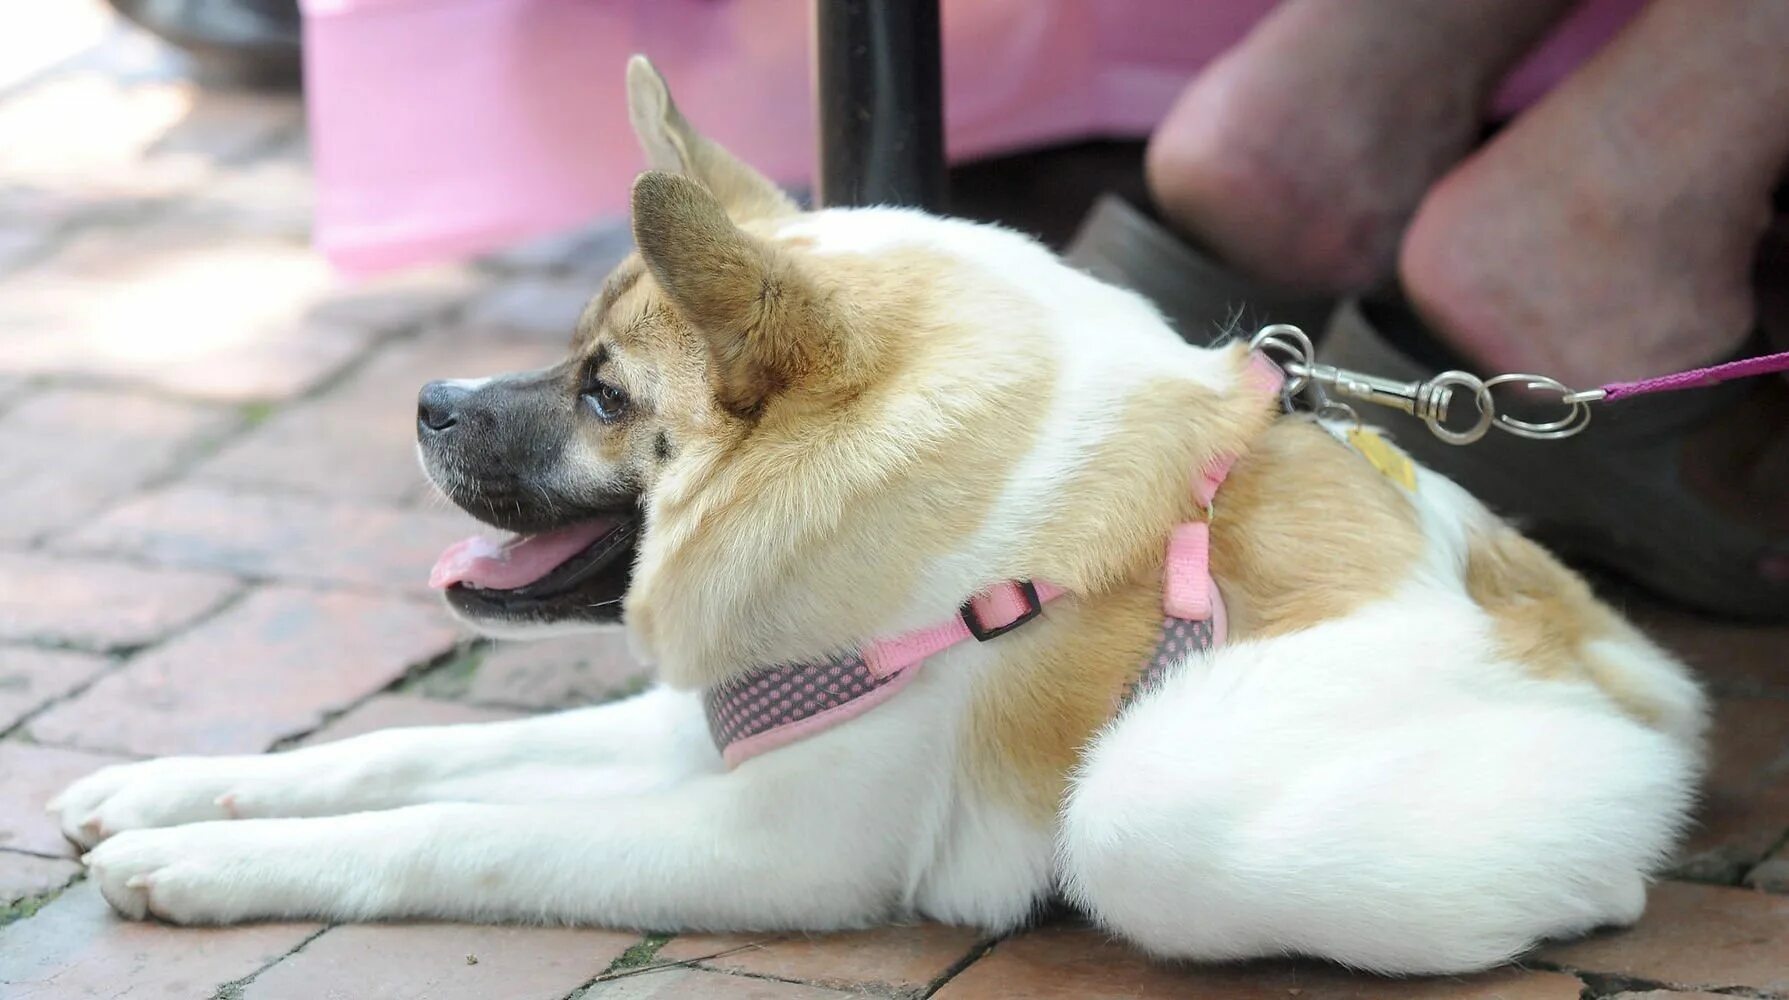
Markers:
<point>982,633</point>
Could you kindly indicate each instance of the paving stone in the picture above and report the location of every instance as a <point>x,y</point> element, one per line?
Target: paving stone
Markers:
<point>413,297</point>
<point>281,537</point>
<point>98,604</point>
<point>683,984</point>
<point>441,962</point>
<point>23,876</point>
<point>1745,800</point>
<point>71,452</point>
<point>558,673</point>
<point>359,441</point>
<point>546,308</point>
<point>903,961</point>
<point>152,134</point>
<point>107,157</point>
<point>1693,936</point>
<point>270,194</point>
<point>31,678</point>
<point>181,308</point>
<point>35,38</point>
<point>1771,874</point>
<point>590,251</point>
<point>20,242</point>
<point>1671,995</point>
<point>76,949</point>
<point>1074,964</point>
<point>1730,658</point>
<point>271,667</point>
<point>31,776</point>
<point>390,711</point>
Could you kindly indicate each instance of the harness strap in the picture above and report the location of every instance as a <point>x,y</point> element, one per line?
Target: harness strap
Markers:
<point>777,705</point>
<point>1000,609</point>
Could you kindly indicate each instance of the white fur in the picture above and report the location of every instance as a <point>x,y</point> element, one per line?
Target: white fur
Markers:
<point>1380,790</point>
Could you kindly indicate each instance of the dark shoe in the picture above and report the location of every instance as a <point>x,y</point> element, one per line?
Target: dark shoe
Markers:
<point>256,40</point>
<point>1202,298</point>
<point>1624,494</point>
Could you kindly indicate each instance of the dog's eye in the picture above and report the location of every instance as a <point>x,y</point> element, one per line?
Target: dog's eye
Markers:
<point>607,400</point>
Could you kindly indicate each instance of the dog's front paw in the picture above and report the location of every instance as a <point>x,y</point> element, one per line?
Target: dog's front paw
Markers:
<point>153,793</point>
<point>206,873</point>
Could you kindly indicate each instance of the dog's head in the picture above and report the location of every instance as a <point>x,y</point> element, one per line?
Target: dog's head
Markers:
<point>802,429</point>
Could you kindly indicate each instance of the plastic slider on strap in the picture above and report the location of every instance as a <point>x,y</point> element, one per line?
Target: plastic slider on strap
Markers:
<point>983,632</point>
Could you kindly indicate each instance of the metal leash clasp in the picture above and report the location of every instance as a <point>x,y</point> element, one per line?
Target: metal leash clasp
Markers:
<point>1429,400</point>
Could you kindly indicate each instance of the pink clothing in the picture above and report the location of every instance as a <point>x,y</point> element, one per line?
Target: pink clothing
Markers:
<point>443,128</point>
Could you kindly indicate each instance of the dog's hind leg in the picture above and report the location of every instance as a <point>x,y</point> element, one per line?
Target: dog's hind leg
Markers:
<point>641,743</point>
<point>764,847</point>
<point>1387,800</point>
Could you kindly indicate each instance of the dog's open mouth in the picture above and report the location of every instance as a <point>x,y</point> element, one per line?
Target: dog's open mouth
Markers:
<point>530,570</point>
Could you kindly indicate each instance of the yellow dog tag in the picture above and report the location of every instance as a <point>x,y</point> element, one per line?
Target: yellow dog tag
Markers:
<point>1391,463</point>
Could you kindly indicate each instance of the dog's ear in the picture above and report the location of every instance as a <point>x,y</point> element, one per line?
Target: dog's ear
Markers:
<point>759,312</point>
<point>673,146</point>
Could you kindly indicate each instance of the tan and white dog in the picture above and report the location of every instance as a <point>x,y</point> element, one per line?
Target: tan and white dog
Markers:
<point>1424,747</point>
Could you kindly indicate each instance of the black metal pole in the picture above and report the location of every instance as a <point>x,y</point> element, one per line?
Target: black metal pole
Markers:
<point>879,86</point>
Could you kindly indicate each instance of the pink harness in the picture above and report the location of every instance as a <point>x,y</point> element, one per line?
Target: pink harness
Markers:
<point>778,705</point>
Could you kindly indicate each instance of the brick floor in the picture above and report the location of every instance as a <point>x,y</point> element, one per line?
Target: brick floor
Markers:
<point>542,307</point>
<point>274,666</point>
<point>389,711</point>
<point>1070,964</point>
<point>98,604</point>
<point>902,961</point>
<point>359,442</point>
<point>24,876</point>
<point>178,310</point>
<point>75,948</point>
<point>1771,874</point>
<point>1694,936</point>
<point>1746,797</point>
<point>441,962</point>
<point>557,673</point>
<point>56,33</point>
<point>32,678</point>
<point>70,452</point>
<point>682,984</point>
<point>214,538</point>
<point>1734,659</point>
<point>587,253</point>
<point>266,536</point>
<point>29,777</point>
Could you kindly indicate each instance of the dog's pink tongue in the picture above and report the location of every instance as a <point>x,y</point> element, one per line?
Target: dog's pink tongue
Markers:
<point>480,562</point>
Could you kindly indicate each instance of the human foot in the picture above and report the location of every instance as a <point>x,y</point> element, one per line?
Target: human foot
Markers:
<point>1300,154</point>
<point>1609,232</point>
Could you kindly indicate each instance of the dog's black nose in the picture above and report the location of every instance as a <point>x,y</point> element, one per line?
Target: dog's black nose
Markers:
<point>438,406</point>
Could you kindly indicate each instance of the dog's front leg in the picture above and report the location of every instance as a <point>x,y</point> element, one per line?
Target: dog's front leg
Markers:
<point>643,742</point>
<point>770,846</point>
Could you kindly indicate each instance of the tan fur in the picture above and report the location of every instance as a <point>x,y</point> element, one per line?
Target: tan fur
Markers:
<point>1285,557</point>
<point>908,454</point>
<point>1054,687</point>
<point>1307,531</point>
<point>1546,618</point>
<point>1113,517</point>
<point>672,145</point>
<point>813,431</point>
<point>823,420</point>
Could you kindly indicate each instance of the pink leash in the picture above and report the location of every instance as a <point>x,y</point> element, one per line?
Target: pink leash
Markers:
<point>1696,378</point>
<point>1429,400</point>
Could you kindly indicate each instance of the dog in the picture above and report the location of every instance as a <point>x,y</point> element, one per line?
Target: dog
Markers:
<point>971,588</point>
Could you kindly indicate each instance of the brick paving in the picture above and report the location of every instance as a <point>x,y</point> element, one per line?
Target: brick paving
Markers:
<point>212,535</point>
